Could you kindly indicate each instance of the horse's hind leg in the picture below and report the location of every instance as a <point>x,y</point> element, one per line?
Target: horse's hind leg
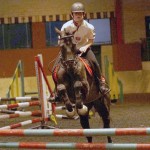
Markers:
<point>84,121</point>
<point>103,111</point>
<point>106,121</point>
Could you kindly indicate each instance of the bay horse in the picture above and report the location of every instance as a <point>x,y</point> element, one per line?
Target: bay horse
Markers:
<point>76,85</point>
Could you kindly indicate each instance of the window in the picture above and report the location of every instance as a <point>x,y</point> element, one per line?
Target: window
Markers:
<point>102,30</point>
<point>51,35</point>
<point>15,36</point>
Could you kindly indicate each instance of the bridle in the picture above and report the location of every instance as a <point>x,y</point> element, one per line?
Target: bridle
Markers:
<point>70,63</point>
<point>66,36</point>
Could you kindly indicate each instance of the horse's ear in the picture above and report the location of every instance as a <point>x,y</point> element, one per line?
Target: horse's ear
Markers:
<point>57,31</point>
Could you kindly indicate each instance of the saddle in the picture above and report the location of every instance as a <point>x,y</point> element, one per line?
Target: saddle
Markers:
<point>87,66</point>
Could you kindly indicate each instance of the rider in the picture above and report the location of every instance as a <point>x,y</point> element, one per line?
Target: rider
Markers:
<point>84,34</point>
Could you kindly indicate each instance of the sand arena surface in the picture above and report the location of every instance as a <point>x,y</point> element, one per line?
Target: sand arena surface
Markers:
<point>131,115</point>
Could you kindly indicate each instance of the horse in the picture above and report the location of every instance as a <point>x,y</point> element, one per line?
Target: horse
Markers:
<point>76,86</point>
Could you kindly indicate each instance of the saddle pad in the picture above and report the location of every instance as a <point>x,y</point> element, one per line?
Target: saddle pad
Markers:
<point>87,66</point>
<point>54,74</point>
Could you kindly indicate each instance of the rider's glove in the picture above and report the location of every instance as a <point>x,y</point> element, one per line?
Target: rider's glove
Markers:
<point>83,49</point>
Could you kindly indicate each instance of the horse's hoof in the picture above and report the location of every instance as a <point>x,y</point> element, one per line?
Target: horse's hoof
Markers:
<point>83,111</point>
<point>70,114</point>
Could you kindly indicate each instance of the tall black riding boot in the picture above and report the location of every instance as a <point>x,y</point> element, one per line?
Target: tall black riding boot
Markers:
<point>104,88</point>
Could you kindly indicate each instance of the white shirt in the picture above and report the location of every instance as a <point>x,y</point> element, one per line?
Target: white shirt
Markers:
<point>82,33</point>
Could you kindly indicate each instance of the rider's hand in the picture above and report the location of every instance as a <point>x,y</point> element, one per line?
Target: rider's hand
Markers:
<point>83,49</point>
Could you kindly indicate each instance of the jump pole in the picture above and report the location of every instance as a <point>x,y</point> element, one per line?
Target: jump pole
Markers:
<point>22,105</point>
<point>18,98</point>
<point>21,124</point>
<point>77,132</point>
<point>78,146</point>
<point>40,66</point>
<point>21,114</point>
<point>46,108</point>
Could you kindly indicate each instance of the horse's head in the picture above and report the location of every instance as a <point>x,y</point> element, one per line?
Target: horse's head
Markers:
<point>68,48</point>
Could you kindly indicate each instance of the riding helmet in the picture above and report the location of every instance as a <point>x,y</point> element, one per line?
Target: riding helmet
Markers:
<point>77,7</point>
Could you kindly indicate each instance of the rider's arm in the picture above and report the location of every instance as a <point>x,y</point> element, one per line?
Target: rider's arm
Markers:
<point>85,47</point>
<point>91,37</point>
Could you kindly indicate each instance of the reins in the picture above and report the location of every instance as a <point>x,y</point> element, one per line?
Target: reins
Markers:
<point>66,36</point>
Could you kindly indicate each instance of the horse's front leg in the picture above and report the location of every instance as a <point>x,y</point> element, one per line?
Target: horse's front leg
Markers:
<point>62,93</point>
<point>81,109</point>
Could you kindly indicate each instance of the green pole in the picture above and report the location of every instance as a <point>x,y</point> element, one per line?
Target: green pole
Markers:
<point>121,91</point>
<point>21,77</point>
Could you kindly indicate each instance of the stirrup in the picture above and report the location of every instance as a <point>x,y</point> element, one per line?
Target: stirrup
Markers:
<point>104,91</point>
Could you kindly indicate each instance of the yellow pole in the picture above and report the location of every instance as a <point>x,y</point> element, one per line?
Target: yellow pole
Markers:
<point>12,91</point>
<point>17,83</point>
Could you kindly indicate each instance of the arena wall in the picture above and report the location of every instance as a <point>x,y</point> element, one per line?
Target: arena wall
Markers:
<point>134,82</point>
<point>49,7</point>
<point>134,12</point>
